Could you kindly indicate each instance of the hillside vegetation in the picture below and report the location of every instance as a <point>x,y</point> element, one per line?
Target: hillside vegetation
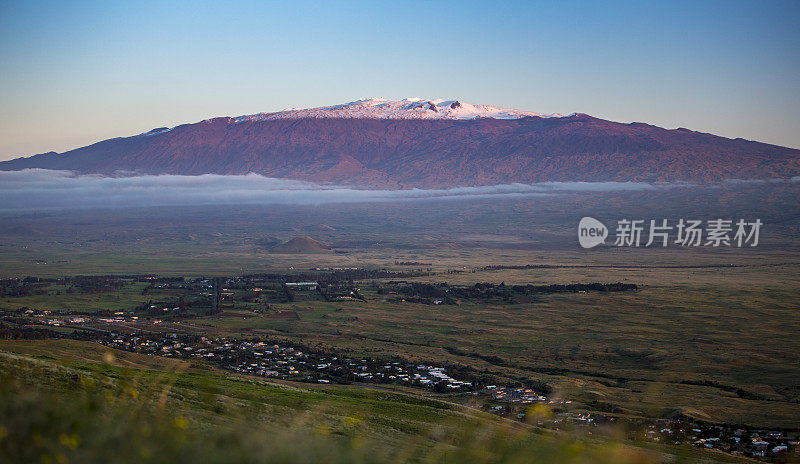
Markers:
<point>71,406</point>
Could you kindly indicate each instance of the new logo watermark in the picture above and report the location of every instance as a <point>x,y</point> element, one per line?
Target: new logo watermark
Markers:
<point>685,232</point>
<point>591,232</point>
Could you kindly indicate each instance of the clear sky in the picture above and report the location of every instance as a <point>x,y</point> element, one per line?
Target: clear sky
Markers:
<point>72,73</point>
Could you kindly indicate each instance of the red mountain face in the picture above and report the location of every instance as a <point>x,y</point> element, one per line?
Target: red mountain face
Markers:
<point>401,153</point>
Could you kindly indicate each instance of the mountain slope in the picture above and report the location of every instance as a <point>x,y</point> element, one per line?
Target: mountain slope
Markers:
<point>392,146</point>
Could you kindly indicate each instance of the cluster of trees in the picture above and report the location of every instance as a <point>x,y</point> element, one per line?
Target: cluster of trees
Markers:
<point>183,307</point>
<point>21,287</point>
<point>328,277</point>
<point>573,288</point>
<point>428,293</point>
<point>37,286</point>
<point>13,332</point>
<point>332,291</point>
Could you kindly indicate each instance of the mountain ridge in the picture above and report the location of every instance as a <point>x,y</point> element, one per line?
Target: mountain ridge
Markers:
<point>459,149</point>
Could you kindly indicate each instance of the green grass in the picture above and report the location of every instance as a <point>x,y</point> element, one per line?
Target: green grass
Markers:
<point>70,407</point>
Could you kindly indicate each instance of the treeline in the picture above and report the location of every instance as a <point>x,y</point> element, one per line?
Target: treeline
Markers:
<point>516,267</point>
<point>574,288</point>
<point>442,293</point>
<point>13,332</point>
<point>37,286</point>
<point>20,287</point>
<point>337,276</point>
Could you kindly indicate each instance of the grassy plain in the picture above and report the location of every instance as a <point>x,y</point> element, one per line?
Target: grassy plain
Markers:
<point>717,344</point>
<point>711,333</point>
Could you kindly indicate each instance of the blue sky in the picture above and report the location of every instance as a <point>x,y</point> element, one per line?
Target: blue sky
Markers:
<point>72,73</point>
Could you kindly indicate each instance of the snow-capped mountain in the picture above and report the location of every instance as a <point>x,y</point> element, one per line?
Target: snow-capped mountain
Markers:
<point>427,143</point>
<point>409,108</point>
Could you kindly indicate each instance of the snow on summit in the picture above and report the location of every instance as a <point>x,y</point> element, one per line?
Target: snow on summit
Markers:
<point>409,108</point>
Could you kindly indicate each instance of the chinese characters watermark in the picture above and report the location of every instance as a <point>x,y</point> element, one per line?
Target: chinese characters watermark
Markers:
<point>662,233</point>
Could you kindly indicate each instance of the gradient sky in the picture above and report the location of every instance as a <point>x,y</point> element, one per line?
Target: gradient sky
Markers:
<point>72,73</point>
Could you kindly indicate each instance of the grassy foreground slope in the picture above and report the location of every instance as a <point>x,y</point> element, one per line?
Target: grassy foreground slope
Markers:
<point>67,401</point>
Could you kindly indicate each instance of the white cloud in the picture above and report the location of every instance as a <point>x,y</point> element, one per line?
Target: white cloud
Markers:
<point>48,189</point>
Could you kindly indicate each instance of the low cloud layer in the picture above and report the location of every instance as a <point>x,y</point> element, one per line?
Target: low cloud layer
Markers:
<point>34,189</point>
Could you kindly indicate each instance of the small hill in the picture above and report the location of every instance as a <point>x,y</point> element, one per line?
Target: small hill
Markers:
<point>301,245</point>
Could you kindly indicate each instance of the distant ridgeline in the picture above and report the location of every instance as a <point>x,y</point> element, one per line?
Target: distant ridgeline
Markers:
<point>420,143</point>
